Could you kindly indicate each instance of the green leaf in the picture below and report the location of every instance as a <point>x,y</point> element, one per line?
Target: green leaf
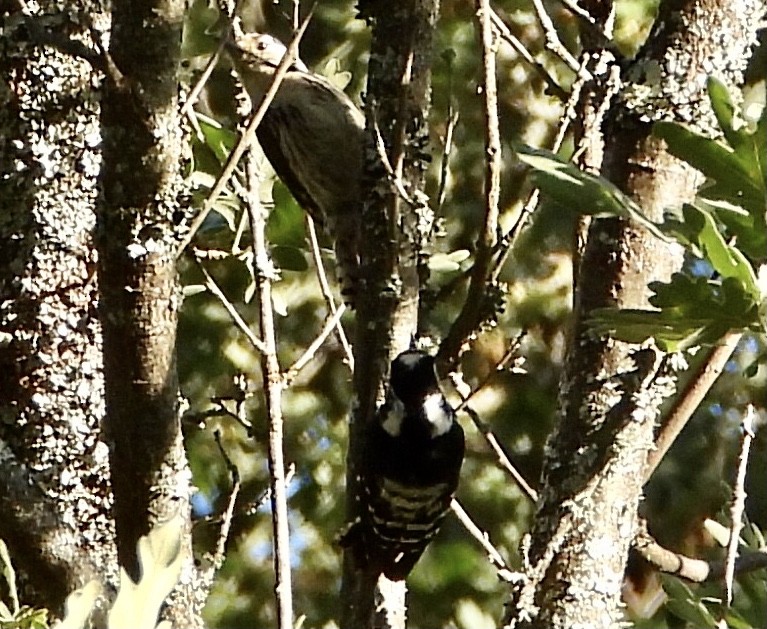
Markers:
<point>726,259</point>
<point>718,162</point>
<point>337,77</point>
<point>582,192</point>
<point>160,557</point>
<point>285,225</point>
<point>200,18</point>
<point>684,604</point>
<point>724,110</point>
<point>217,138</point>
<point>691,311</point>
<point>289,258</point>
<point>79,605</point>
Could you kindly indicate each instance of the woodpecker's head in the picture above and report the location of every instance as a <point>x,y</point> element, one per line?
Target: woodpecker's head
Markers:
<point>256,56</point>
<point>413,377</point>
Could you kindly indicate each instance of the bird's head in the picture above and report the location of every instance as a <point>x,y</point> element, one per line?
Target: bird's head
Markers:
<point>413,377</point>
<point>257,55</point>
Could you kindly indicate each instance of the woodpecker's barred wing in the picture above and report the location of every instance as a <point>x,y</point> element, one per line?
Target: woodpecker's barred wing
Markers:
<point>407,492</point>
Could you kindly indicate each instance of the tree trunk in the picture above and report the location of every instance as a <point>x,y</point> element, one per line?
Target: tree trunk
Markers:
<point>611,392</point>
<point>139,212</point>
<point>394,232</point>
<point>55,499</point>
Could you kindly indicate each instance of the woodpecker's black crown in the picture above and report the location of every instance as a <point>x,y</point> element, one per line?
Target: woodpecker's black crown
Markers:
<point>413,376</point>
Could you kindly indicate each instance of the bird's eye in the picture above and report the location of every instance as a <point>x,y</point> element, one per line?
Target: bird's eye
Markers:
<point>261,46</point>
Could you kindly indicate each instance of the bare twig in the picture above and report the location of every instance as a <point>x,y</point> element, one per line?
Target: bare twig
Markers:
<point>211,285</point>
<point>690,399</point>
<point>695,570</point>
<point>247,137</point>
<point>326,293</point>
<point>738,501</point>
<point>266,496</point>
<point>532,202</point>
<point>226,520</point>
<point>579,11</point>
<point>554,44</point>
<point>452,121</point>
<point>330,324</point>
<point>517,45</point>
<point>511,352</point>
<point>272,386</point>
<point>483,538</point>
<point>468,318</point>
<point>194,94</point>
<point>394,178</point>
<point>495,445</point>
<point>503,457</point>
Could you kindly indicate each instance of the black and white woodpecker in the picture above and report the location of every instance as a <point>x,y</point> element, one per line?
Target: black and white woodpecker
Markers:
<point>411,463</point>
<point>312,135</point>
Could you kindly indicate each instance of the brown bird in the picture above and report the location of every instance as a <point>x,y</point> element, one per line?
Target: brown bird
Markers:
<point>312,135</point>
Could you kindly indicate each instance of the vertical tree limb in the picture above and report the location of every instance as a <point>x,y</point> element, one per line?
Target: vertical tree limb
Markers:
<point>272,384</point>
<point>478,303</point>
<point>392,264</point>
<point>138,212</point>
<point>55,505</point>
<point>594,462</point>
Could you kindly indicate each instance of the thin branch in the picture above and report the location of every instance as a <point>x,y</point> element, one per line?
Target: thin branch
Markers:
<point>194,94</point>
<point>510,238</point>
<point>226,521</point>
<point>502,364</point>
<point>690,399</point>
<point>330,324</point>
<point>483,538</point>
<point>495,445</point>
<point>695,570</point>
<point>503,457</point>
<point>211,285</point>
<point>517,45</point>
<point>470,314</point>
<point>272,386</point>
<point>247,137</point>
<point>489,235</point>
<point>452,121</point>
<point>555,45</point>
<point>394,178</point>
<point>738,501</point>
<point>326,292</point>
<point>266,496</point>
<point>579,11</point>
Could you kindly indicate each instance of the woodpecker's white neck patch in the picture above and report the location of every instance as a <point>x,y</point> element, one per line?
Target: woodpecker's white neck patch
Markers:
<point>435,414</point>
<point>392,424</point>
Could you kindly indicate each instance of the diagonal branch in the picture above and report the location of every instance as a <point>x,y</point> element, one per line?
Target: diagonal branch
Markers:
<point>690,399</point>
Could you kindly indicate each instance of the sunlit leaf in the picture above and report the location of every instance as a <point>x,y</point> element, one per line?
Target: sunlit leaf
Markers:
<point>581,192</point>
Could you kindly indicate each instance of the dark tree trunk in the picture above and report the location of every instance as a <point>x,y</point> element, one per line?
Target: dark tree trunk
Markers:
<point>397,103</point>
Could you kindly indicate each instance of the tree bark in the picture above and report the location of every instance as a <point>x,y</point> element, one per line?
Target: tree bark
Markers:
<point>55,500</point>
<point>394,234</point>
<point>611,391</point>
<point>140,208</point>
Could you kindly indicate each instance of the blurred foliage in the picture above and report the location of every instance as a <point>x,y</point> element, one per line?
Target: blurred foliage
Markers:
<point>14,615</point>
<point>453,585</point>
